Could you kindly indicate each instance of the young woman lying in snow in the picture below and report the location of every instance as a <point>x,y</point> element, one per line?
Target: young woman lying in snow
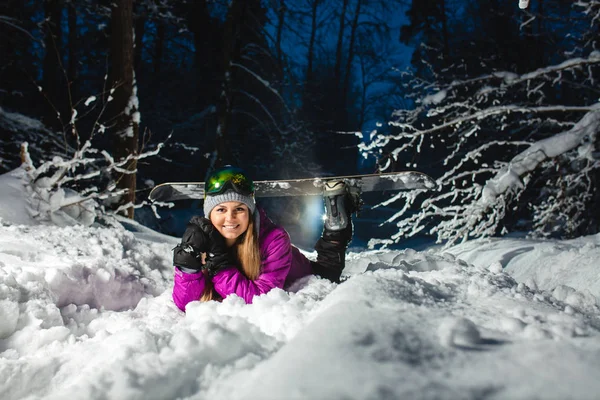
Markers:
<point>237,249</point>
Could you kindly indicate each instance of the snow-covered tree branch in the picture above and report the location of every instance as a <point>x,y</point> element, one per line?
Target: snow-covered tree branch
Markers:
<point>510,151</point>
<point>75,190</point>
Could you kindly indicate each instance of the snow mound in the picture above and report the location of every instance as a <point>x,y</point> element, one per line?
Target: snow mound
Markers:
<point>566,269</point>
<point>459,332</point>
<point>89,311</point>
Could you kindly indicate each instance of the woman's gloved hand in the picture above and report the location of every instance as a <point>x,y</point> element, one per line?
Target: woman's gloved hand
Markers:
<point>187,255</point>
<point>217,253</point>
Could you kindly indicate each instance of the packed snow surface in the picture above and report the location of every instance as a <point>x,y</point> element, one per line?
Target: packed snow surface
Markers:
<point>86,312</point>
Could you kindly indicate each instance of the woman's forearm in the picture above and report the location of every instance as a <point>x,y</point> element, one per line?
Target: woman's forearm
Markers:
<point>187,287</point>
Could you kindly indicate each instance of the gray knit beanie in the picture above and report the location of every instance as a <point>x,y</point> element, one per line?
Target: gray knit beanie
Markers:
<point>211,202</point>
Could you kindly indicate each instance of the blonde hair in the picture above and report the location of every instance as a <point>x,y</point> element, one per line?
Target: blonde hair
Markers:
<point>246,252</point>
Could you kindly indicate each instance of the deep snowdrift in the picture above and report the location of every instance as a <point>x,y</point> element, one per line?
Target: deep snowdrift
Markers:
<point>87,313</point>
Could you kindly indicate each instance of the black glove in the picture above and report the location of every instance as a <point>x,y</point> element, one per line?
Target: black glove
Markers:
<point>188,254</point>
<point>217,254</point>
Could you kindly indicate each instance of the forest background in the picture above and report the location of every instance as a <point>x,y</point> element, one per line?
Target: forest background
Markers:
<point>496,99</point>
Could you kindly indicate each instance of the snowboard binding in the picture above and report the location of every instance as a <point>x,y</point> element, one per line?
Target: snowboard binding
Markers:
<point>341,201</point>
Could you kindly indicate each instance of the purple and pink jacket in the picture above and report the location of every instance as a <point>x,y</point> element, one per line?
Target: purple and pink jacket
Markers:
<point>282,264</point>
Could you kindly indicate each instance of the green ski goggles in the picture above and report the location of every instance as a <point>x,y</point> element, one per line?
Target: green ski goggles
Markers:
<point>229,178</point>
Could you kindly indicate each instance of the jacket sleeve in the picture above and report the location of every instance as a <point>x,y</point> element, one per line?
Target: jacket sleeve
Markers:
<point>187,287</point>
<point>275,266</point>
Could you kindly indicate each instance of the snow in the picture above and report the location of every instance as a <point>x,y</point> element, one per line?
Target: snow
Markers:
<point>90,100</point>
<point>86,312</point>
<point>411,179</point>
<point>279,185</point>
<point>435,98</point>
<point>73,117</point>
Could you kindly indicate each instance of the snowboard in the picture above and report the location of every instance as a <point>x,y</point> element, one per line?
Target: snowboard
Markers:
<point>405,180</point>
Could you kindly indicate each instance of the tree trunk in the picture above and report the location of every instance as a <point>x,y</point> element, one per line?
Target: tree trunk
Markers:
<point>337,72</point>
<point>199,24</point>
<point>158,47</point>
<point>207,45</point>
<point>124,106</point>
<point>346,88</point>
<point>280,22</point>
<point>311,43</point>
<point>231,54</point>
<point>140,29</point>
<point>52,60</point>
<point>363,95</point>
<point>72,71</point>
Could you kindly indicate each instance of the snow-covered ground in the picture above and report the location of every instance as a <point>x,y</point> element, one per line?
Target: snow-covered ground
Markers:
<point>86,313</point>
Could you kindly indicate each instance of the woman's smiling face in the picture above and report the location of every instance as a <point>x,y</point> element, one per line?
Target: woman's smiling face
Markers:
<point>231,219</point>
